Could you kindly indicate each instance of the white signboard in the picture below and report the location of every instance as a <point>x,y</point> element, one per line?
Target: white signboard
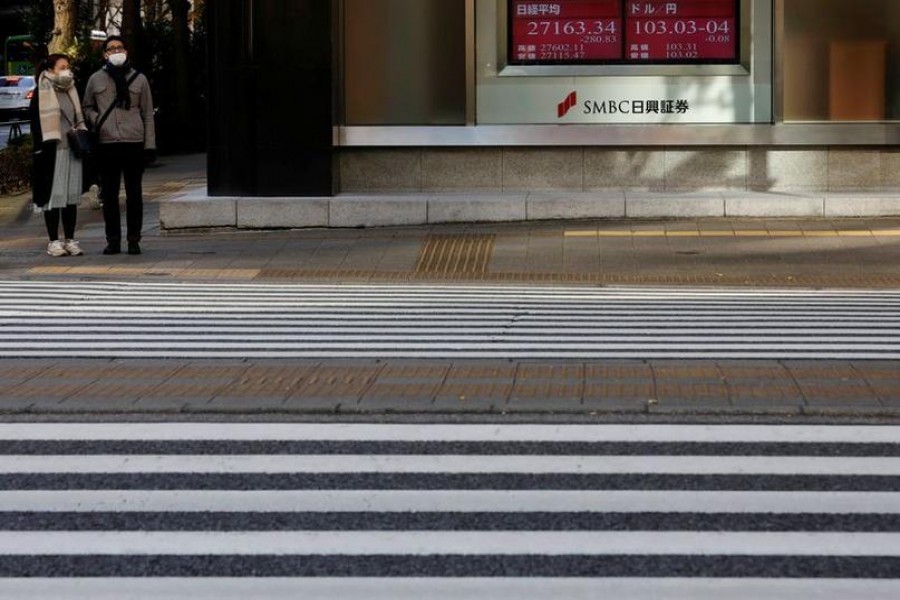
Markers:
<point>619,100</point>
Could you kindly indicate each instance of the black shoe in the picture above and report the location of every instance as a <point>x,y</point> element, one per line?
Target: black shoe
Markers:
<point>134,248</point>
<point>110,249</point>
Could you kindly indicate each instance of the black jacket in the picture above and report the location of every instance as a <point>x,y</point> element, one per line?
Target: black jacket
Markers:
<point>43,155</point>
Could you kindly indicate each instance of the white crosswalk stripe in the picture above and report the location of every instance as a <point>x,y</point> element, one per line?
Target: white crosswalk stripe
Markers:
<point>347,511</point>
<point>141,320</point>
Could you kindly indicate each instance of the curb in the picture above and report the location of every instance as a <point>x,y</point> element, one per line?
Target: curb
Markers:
<point>197,209</point>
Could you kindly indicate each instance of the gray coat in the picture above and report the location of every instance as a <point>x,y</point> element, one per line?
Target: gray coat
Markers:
<point>134,125</point>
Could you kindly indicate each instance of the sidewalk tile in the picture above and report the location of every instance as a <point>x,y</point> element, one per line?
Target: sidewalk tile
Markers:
<point>194,385</point>
<point>263,386</point>
<point>405,387</point>
<point>829,385</point>
<point>476,386</point>
<point>111,391</point>
<point>552,387</point>
<point>761,386</point>
<point>618,386</point>
<point>53,384</point>
<point>689,385</point>
<point>333,385</point>
<point>14,373</point>
<point>884,379</point>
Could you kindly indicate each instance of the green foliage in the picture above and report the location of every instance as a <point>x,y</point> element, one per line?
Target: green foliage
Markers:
<point>15,166</point>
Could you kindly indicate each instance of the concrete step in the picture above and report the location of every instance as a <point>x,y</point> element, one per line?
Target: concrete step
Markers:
<point>197,209</point>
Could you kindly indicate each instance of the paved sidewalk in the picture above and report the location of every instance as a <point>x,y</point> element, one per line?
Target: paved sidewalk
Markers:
<point>829,253</point>
<point>737,389</point>
<point>859,253</point>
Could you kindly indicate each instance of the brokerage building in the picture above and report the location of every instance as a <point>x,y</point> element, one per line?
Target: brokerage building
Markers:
<point>368,112</point>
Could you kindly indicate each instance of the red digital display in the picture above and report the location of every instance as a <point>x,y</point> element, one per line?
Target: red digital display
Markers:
<point>623,31</point>
<point>675,30</point>
<point>567,31</point>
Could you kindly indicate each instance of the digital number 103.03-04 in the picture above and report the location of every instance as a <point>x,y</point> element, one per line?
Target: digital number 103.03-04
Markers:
<point>681,27</point>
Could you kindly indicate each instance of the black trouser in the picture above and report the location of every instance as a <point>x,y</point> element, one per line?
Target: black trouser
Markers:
<point>69,219</point>
<point>115,161</point>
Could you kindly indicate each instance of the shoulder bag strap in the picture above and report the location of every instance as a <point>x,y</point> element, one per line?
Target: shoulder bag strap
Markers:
<point>113,105</point>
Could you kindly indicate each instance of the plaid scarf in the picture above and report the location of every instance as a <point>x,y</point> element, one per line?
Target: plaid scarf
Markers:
<point>49,110</point>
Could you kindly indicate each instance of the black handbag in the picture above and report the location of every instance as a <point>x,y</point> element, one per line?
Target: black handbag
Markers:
<point>81,142</point>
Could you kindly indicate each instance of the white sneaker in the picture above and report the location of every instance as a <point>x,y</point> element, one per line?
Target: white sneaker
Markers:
<point>72,248</point>
<point>56,248</point>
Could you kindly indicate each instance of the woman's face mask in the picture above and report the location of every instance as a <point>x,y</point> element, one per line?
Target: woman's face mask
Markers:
<point>118,59</point>
<point>65,77</point>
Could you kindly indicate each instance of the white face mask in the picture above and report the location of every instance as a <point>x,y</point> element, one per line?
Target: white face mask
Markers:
<point>117,60</point>
<point>65,77</point>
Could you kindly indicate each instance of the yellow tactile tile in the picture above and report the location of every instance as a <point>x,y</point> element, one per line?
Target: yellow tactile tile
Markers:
<point>786,233</point>
<point>48,270</point>
<point>725,233</point>
<point>238,273</point>
<point>138,272</point>
<point>716,233</point>
<point>116,270</point>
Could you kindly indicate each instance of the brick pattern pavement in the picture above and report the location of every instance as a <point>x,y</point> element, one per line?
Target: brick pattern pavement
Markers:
<point>737,388</point>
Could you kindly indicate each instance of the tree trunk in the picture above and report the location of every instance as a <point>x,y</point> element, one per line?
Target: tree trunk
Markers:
<point>65,17</point>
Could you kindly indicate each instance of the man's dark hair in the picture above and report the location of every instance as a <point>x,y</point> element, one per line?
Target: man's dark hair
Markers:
<point>113,38</point>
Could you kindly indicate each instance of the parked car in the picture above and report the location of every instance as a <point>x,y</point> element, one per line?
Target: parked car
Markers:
<point>15,94</point>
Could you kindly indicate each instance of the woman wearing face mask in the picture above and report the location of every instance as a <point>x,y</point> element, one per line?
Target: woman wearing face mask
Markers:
<point>55,109</point>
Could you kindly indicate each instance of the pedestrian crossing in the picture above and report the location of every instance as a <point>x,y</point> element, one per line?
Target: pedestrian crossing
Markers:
<point>344,510</point>
<point>147,320</point>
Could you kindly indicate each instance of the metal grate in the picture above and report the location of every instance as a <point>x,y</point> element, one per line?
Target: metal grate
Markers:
<point>457,254</point>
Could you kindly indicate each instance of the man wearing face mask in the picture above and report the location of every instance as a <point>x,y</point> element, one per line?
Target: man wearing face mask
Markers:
<point>119,106</point>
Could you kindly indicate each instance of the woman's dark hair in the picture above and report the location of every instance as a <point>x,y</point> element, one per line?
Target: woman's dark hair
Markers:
<point>113,38</point>
<point>50,63</point>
